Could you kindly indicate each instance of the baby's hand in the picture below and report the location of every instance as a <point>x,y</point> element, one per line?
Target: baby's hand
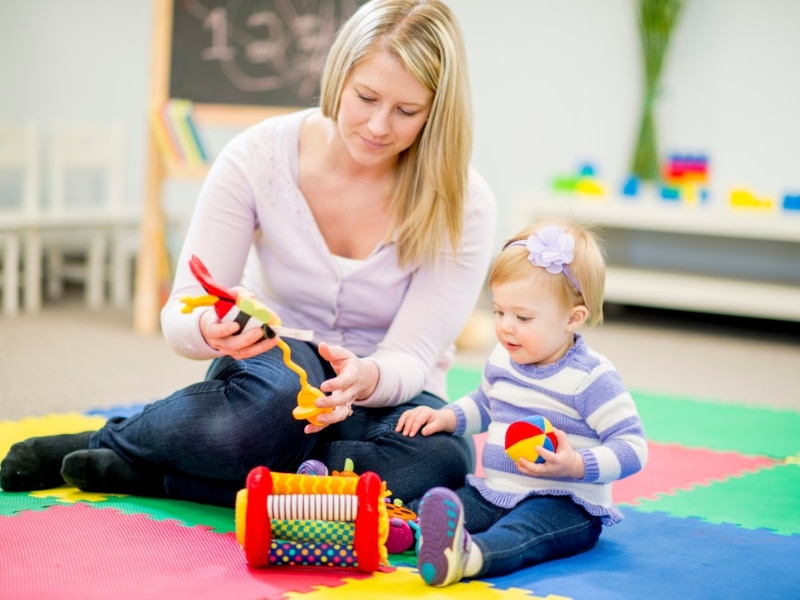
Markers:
<point>564,462</point>
<point>426,420</point>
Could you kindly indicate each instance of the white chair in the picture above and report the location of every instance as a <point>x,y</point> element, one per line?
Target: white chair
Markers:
<point>86,220</point>
<point>19,201</point>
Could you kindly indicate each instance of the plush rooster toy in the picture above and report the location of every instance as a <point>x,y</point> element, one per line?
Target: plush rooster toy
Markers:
<point>230,305</point>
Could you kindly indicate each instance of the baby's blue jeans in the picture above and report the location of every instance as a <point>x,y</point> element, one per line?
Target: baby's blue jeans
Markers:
<point>537,529</point>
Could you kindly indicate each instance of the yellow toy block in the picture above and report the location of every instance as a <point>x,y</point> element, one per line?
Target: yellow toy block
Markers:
<point>744,199</point>
<point>589,187</point>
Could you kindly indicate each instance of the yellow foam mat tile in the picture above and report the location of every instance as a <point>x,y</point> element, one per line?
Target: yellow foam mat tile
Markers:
<point>12,432</point>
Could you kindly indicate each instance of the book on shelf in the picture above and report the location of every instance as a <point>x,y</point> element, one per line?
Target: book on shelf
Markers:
<point>197,142</point>
<point>179,117</point>
<point>173,135</point>
<point>163,138</point>
<point>176,134</point>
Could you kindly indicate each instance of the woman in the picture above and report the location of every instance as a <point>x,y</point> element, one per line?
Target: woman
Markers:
<point>360,220</point>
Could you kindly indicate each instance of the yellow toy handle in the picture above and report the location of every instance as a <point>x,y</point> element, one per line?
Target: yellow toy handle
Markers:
<point>307,396</point>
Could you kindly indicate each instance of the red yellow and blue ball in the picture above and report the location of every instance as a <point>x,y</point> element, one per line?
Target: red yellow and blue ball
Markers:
<point>525,435</point>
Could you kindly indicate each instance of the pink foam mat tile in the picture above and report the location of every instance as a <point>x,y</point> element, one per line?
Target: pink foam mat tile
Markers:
<point>80,552</point>
<point>671,467</point>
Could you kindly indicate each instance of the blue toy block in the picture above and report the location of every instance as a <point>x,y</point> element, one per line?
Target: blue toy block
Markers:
<point>631,187</point>
<point>670,193</point>
<point>791,202</point>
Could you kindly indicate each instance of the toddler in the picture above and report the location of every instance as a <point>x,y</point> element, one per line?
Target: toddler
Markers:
<point>546,283</point>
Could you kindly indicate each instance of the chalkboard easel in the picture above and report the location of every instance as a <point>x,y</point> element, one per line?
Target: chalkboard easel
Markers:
<point>238,62</point>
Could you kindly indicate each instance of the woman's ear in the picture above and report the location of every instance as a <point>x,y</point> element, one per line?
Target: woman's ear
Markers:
<point>577,317</point>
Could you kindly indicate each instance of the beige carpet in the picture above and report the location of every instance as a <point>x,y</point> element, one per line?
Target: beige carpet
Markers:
<point>69,358</point>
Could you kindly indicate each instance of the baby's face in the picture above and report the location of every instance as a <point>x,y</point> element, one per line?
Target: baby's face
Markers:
<point>530,321</point>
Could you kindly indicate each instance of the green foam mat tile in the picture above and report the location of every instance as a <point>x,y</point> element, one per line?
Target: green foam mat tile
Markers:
<point>404,559</point>
<point>693,423</point>
<point>462,380</point>
<point>767,499</point>
<point>190,514</point>
<point>13,502</point>
<point>218,519</point>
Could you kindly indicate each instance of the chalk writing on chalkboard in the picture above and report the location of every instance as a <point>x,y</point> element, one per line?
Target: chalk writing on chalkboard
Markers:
<point>256,52</point>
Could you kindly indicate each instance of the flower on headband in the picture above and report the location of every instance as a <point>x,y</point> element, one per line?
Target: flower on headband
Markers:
<point>551,248</point>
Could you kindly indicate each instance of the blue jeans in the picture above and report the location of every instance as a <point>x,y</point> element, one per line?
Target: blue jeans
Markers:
<point>536,530</point>
<point>204,439</point>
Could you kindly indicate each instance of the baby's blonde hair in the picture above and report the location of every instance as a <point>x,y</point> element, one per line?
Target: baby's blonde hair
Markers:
<point>587,267</point>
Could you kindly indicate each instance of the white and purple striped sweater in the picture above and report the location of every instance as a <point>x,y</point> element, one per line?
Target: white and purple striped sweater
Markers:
<point>581,394</point>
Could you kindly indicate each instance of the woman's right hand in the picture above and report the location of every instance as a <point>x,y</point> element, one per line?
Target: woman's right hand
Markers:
<point>222,337</point>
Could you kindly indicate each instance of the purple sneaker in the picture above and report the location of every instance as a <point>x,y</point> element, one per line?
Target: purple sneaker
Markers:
<point>443,543</point>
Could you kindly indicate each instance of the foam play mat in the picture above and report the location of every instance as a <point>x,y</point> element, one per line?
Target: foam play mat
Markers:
<point>715,514</point>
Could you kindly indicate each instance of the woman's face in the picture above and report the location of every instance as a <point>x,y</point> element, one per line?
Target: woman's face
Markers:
<point>382,109</point>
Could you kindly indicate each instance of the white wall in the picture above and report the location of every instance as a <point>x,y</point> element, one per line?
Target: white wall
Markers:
<point>555,83</point>
<point>76,62</point>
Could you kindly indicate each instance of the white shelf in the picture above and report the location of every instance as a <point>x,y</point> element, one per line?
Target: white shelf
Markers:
<point>710,230</point>
<point>650,214</point>
<point>703,294</point>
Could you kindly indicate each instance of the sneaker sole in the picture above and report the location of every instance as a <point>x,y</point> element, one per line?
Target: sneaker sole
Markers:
<point>442,531</point>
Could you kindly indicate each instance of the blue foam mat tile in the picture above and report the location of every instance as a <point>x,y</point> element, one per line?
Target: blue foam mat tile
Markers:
<point>660,557</point>
<point>126,410</point>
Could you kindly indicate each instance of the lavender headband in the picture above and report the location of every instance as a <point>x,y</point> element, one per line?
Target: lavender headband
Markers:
<point>552,249</point>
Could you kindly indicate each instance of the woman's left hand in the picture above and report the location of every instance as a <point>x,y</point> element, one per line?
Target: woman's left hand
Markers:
<point>564,462</point>
<point>355,379</point>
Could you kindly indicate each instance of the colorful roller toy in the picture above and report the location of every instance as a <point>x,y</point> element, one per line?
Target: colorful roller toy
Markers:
<point>313,520</point>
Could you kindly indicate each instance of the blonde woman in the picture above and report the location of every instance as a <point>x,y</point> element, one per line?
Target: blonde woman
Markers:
<point>360,220</point>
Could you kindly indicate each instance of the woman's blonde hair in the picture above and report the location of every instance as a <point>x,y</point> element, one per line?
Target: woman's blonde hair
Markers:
<point>587,267</point>
<point>428,200</point>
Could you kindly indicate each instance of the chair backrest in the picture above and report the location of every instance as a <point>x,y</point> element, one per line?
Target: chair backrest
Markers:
<point>20,168</point>
<point>86,165</point>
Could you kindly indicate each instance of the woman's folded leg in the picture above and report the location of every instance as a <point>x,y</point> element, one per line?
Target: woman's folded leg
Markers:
<point>215,431</point>
<point>409,465</point>
<point>221,428</point>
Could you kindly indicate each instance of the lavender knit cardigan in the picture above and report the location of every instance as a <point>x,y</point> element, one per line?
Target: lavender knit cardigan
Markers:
<point>581,394</point>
